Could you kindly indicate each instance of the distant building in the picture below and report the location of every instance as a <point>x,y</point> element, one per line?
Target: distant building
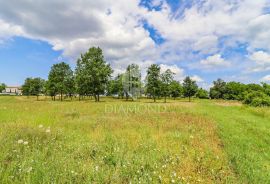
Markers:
<point>13,90</point>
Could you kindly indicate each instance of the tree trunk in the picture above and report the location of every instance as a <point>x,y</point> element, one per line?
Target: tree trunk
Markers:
<point>61,96</point>
<point>165,99</point>
<point>189,98</point>
<point>37,97</point>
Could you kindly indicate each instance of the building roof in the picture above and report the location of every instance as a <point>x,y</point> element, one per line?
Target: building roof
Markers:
<point>13,87</point>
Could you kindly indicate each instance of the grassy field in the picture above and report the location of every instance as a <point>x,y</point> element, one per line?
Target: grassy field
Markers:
<point>133,142</point>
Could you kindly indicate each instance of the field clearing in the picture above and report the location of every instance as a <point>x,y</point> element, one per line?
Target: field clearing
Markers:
<point>115,141</point>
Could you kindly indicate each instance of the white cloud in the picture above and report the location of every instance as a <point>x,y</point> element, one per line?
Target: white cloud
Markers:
<point>266,78</point>
<point>262,61</point>
<point>214,62</point>
<point>197,78</point>
<point>206,44</point>
<point>7,30</point>
<point>116,26</point>
<point>179,72</point>
<point>74,26</point>
<point>204,23</point>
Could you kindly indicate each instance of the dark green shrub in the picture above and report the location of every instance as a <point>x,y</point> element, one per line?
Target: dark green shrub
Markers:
<point>202,94</point>
<point>257,99</point>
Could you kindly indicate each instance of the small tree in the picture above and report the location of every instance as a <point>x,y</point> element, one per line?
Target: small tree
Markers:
<point>116,86</point>
<point>2,87</point>
<point>33,86</point>
<point>26,87</point>
<point>166,80</point>
<point>218,90</point>
<point>202,94</point>
<point>176,89</point>
<point>190,87</point>
<point>37,86</point>
<point>61,80</point>
<point>92,73</point>
<point>153,81</point>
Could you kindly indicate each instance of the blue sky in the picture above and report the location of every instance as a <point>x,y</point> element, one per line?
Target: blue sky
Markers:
<point>203,39</point>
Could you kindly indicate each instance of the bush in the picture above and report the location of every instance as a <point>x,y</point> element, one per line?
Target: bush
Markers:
<point>257,99</point>
<point>202,94</point>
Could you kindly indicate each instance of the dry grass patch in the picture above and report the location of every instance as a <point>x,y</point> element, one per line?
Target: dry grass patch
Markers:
<point>228,103</point>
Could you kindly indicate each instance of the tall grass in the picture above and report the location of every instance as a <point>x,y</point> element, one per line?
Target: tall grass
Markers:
<point>131,142</point>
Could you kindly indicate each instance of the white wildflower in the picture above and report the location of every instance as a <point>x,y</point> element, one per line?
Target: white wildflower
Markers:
<point>40,126</point>
<point>48,130</point>
<point>29,169</point>
<point>20,141</point>
<point>25,142</point>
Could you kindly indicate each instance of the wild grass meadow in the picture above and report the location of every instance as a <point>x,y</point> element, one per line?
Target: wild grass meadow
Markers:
<point>115,141</point>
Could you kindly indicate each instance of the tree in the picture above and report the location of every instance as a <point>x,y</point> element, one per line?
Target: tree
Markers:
<point>190,87</point>
<point>202,94</point>
<point>218,90</point>
<point>2,87</point>
<point>153,81</point>
<point>166,80</point>
<point>175,89</point>
<point>254,87</point>
<point>234,91</point>
<point>26,87</point>
<point>33,86</point>
<point>257,98</point>
<point>61,80</point>
<point>266,88</point>
<point>115,87</point>
<point>37,86</point>
<point>92,73</point>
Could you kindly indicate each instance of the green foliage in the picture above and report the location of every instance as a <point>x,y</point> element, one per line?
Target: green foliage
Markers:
<point>202,94</point>
<point>218,90</point>
<point>92,73</point>
<point>33,86</point>
<point>256,99</point>
<point>166,80</point>
<point>190,87</point>
<point>176,89</point>
<point>153,82</point>
<point>234,91</point>
<point>60,80</point>
<point>266,88</point>
<point>254,87</point>
<point>115,87</point>
<point>2,87</point>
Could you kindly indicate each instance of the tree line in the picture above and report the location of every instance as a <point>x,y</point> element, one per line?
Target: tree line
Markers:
<point>252,94</point>
<point>92,78</point>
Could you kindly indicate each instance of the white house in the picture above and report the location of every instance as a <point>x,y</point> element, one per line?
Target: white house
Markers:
<point>13,90</point>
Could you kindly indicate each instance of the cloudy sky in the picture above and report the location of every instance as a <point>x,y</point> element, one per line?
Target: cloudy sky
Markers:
<point>205,39</point>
